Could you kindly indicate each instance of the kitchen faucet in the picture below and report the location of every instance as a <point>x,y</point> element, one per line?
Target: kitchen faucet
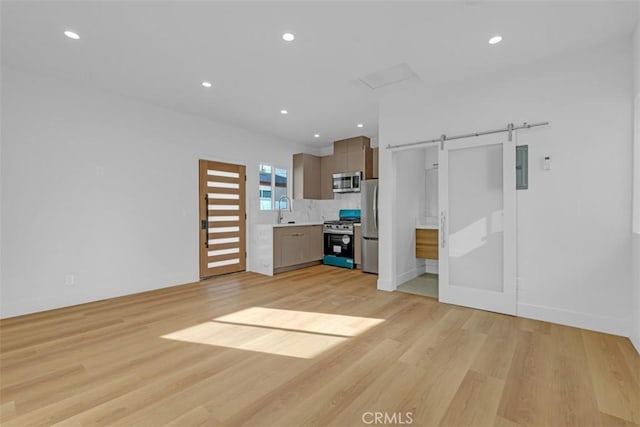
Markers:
<point>288,200</point>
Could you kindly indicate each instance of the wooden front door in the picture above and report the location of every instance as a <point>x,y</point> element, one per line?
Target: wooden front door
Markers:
<point>222,218</point>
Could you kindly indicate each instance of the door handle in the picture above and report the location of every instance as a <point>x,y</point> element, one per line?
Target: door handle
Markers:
<point>375,207</point>
<point>205,221</point>
<point>443,220</point>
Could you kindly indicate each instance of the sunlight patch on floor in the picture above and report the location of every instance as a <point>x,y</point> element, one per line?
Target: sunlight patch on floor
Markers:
<point>282,332</point>
<point>306,321</point>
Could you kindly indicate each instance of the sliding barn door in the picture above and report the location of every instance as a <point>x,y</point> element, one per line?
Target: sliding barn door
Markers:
<point>222,218</point>
<point>477,202</point>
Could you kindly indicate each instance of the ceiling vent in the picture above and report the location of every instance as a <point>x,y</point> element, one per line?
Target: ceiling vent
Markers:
<point>396,74</point>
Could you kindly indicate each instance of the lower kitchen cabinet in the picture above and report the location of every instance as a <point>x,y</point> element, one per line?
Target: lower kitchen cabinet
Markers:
<point>296,246</point>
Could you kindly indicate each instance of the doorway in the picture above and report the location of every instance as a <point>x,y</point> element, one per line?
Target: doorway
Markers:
<point>222,218</point>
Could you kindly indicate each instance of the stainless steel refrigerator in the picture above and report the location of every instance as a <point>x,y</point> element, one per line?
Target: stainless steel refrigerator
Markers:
<point>369,227</point>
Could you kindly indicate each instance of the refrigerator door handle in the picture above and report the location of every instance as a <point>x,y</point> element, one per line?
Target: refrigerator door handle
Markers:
<point>375,207</point>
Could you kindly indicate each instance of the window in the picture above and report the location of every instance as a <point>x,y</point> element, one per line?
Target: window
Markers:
<point>272,186</point>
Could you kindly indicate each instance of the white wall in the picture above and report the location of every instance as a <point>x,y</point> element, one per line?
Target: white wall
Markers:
<point>410,211</point>
<point>1,150</point>
<point>636,56</point>
<point>635,335</point>
<point>636,152</point>
<point>574,222</point>
<point>105,188</point>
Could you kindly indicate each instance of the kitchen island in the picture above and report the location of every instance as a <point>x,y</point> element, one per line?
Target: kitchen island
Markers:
<point>283,247</point>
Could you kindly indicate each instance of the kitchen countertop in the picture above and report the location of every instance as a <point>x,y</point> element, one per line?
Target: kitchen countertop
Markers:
<point>296,224</point>
<point>427,227</point>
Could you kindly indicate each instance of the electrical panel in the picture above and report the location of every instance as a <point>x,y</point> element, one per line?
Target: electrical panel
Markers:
<point>522,167</point>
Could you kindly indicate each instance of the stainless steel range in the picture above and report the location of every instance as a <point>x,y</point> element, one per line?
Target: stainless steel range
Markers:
<point>338,239</point>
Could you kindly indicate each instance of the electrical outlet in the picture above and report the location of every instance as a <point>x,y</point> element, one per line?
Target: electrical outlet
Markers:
<point>69,279</point>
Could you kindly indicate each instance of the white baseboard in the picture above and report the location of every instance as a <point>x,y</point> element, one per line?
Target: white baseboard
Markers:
<point>431,266</point>
<point>385,285</point>
<point>39,304</point>
<point>609,325</point>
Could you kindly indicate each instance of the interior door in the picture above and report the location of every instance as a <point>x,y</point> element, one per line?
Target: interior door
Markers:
<point>222,218</point>
<point>477,259</point>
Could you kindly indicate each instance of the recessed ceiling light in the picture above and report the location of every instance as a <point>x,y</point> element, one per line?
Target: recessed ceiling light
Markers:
<point>284,112</point>
<point>360,125</point>
<point>495,39</point>
<point>317,135</point>
<point>206,84</point>
<point>288,37</point>
<point>71,35</point>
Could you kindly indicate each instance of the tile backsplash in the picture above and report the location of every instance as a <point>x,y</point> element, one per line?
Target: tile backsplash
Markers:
<point>304,210</point>
<point>321,210</point>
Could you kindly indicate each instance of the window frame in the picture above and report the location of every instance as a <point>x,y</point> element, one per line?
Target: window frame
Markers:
<point>273,203</point>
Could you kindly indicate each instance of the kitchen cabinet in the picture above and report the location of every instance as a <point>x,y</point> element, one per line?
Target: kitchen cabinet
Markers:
<point>427,243</point>
<point>375,162</point>
<point>353,154</point>
<point>341,163</point>
<point>313,175</point>
<point>340,154</point>
<point>357,246</point>
<point>355,161</point>
<point>327,168</point>
<point>296,246</point>
<point>342,146</point>
<point>306,176</point>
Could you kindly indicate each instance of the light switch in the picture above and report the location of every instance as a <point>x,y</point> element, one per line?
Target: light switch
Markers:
<point>547,163</point>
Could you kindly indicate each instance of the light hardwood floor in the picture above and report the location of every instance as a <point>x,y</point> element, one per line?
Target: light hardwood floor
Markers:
<point>318,346</point>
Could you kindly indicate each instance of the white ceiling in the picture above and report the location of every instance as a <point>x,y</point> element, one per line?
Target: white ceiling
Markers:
<point>161,51</point>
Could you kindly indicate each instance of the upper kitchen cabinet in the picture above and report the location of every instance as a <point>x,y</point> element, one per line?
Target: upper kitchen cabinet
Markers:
<point>353,154</point>
<point>307,172</point>
<point>375,162</point>
<point>340,156</point>
<point>312,175</point>
<point>327,168</point>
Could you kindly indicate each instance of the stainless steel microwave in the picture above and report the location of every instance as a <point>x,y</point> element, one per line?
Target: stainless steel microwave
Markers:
<point>348,182</point>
